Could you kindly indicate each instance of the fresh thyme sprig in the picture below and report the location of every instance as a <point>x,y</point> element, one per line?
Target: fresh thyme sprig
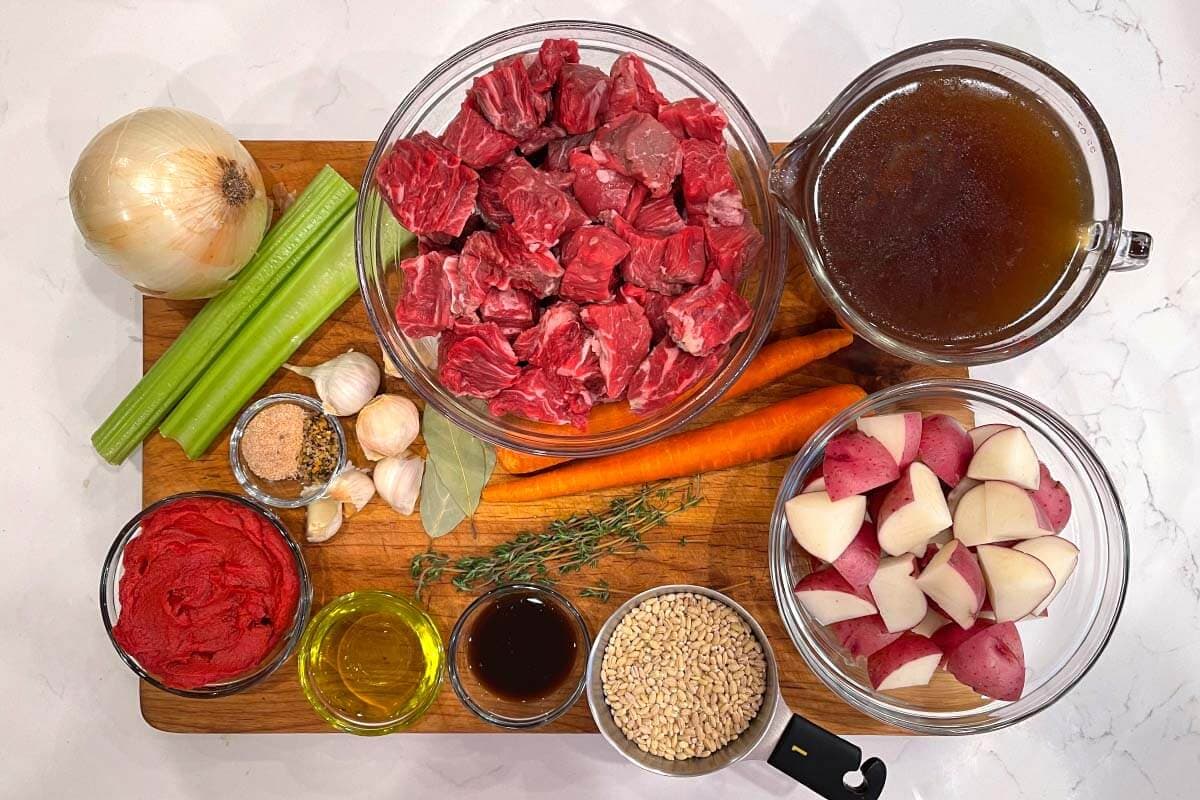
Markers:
<point>599,592</point>
<point>566,546</point>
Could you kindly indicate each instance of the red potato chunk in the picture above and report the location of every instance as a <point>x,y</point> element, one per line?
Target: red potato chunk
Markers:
<point>590,258</point>
<point>911,660</point>
<point>476,360</point>
<point>511,309</point>
<point>474,139</point>
<point>945,447</point>
<point>508,101</point>
<point>694,118</point>
<point>732,248</point>
<point>660,216</point>
<point>951,635</point>
<point>633,88</point>
<point>1052,497</point>
<point>705,172</point>
<point>621,341</point>
<point>856,463</point>
<point>860,559</point>
<point>991,661</point>
<point>637,145</point>
<point>666,374</point>
<point>543,396</point>
<point>864,636</point>
<point>424,307</point>
<point>427,187</point>
<point>598,188</point>
<point>544,69</point>
<point>582,98</point>
<point>708,317</point>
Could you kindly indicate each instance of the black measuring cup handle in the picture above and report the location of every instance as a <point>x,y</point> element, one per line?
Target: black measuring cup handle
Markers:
<point>820,760</point>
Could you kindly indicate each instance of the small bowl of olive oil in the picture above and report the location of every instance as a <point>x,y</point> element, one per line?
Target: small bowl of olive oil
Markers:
<point>371,662</point>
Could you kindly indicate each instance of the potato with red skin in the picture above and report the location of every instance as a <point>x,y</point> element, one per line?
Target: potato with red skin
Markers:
<point>945,448</point>
<point>992,662</point>
<point>856,463</point>
<point>1052,497</point>
<point>953,580</point>
<point>827,596</point>
<point>822,526</point>
<point>897,597</point>
<point>858,562</point>
<point>909,661</point>
<point>912,512</point>
<point>950,636</point>
<point>864,636</point>
<point>900,433</point>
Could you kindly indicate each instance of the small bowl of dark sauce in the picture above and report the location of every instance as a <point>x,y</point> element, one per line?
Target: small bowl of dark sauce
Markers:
<point>518,656</point>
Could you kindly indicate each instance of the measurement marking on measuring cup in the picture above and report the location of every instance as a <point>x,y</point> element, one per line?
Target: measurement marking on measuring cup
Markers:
<point>799,749</point>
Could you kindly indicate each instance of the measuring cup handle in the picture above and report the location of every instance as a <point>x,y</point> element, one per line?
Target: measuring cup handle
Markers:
<point>1133,251</point>
<point>820,760</point>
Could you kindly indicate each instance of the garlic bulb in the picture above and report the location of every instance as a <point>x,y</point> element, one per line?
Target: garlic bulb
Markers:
<point>387,425</point>
<point>324,519</point>
<point>398,481</point>
<point>344,383</point>
<point>353,488</point>
<point>170,201</point>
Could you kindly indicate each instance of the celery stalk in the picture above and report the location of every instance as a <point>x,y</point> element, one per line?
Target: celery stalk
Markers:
<point>317,288</point>
<point>323,204</point>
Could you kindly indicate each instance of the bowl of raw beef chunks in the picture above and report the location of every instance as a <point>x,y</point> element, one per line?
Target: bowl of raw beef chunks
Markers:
<point>593,229</point>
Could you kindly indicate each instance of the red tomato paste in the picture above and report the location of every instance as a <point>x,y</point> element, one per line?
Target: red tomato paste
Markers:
<point>208,591</point>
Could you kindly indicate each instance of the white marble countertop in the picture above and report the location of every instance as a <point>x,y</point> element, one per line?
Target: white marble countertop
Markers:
<point>1127,373</point>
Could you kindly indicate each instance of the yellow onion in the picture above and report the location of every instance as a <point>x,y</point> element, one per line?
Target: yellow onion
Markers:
<point>171,201</point>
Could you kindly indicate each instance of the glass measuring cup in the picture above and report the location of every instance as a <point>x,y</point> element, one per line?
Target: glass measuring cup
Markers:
<point>1107,245</point>
<point>785,740</point>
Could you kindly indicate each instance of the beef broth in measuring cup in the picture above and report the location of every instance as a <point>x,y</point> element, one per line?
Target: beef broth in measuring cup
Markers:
<point>959,203</point>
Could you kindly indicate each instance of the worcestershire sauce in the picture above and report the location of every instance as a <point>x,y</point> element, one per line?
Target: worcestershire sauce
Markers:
<point>952,208</point>
<point>522,648</point>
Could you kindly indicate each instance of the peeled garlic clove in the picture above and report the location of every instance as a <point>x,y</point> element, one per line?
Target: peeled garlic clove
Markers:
<point>390,368</point>
<point>344,383</point>
<point>353,488</point>
<point>398,481</point>
<point>387,426</point>
<point>324,519</point>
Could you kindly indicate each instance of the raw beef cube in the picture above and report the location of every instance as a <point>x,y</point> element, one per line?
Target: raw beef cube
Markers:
<point>705,172</point>
<point>543,396</point>
<point>655,306</point>
<point>539,209</point>
<point>658,216</point>
<point>469,279</point>
<point>694,118</point>
<point>535,271</point>
<point>578,217</point>
<point>561,343</point>
<point>475,360</point>
<point>474,139</point>
<point>707,317</point>
<point>540,138</point>
<point>545,67</point>
<point>590,258</point>
<point>598,188</point>
<point>482,257</point>
<point>560,179</point>
<point>637,198</point>
<point>491,207</point>
<point>512,309</point>
<point>427,187</point>
<point>644,266</point>
<point>638,145</point>
<point>558,152</point>
<point>725,208</point>
<point>732,248</point>
<point>582,98</point>
<point>424,307</point>
<point>632,88</point>
<point>683,256</point>
<point>666,374</point>
<point>505,97</point>
<point>622,340</point>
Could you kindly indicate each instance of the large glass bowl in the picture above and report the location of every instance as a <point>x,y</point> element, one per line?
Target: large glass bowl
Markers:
<point>1059,649</point>
<point>430,107</point>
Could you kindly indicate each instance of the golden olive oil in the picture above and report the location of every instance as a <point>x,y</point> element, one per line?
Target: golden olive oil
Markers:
<point>371,662</point>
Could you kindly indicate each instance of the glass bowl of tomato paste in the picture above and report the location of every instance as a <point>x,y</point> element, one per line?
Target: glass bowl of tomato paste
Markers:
<point>204,594</point>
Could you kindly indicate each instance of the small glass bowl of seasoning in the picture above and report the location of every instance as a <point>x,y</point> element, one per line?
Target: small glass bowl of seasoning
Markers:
<point>285,450</point>
<point>371,662</point>
<point>518,656</point>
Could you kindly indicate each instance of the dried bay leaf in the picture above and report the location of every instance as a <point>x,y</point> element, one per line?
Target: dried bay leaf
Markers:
<point>440,514</point>
<point>461,465</point>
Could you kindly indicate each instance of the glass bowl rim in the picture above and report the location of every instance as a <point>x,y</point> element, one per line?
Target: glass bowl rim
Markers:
<point>239,429</point>
<point>299,620</point>
<point>773,274</point>
<point>960,388</point>
<point>456,637</point>
<point>322,709</point>
<point>988,354</point>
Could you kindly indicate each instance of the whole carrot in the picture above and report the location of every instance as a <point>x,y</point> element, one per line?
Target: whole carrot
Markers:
<point>772,362</point>
<point>766,433</point>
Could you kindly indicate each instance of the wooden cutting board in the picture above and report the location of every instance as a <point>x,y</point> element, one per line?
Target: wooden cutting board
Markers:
<point>726,535</point>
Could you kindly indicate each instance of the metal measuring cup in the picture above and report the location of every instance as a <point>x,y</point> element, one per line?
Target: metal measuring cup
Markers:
<point>785,740</point>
